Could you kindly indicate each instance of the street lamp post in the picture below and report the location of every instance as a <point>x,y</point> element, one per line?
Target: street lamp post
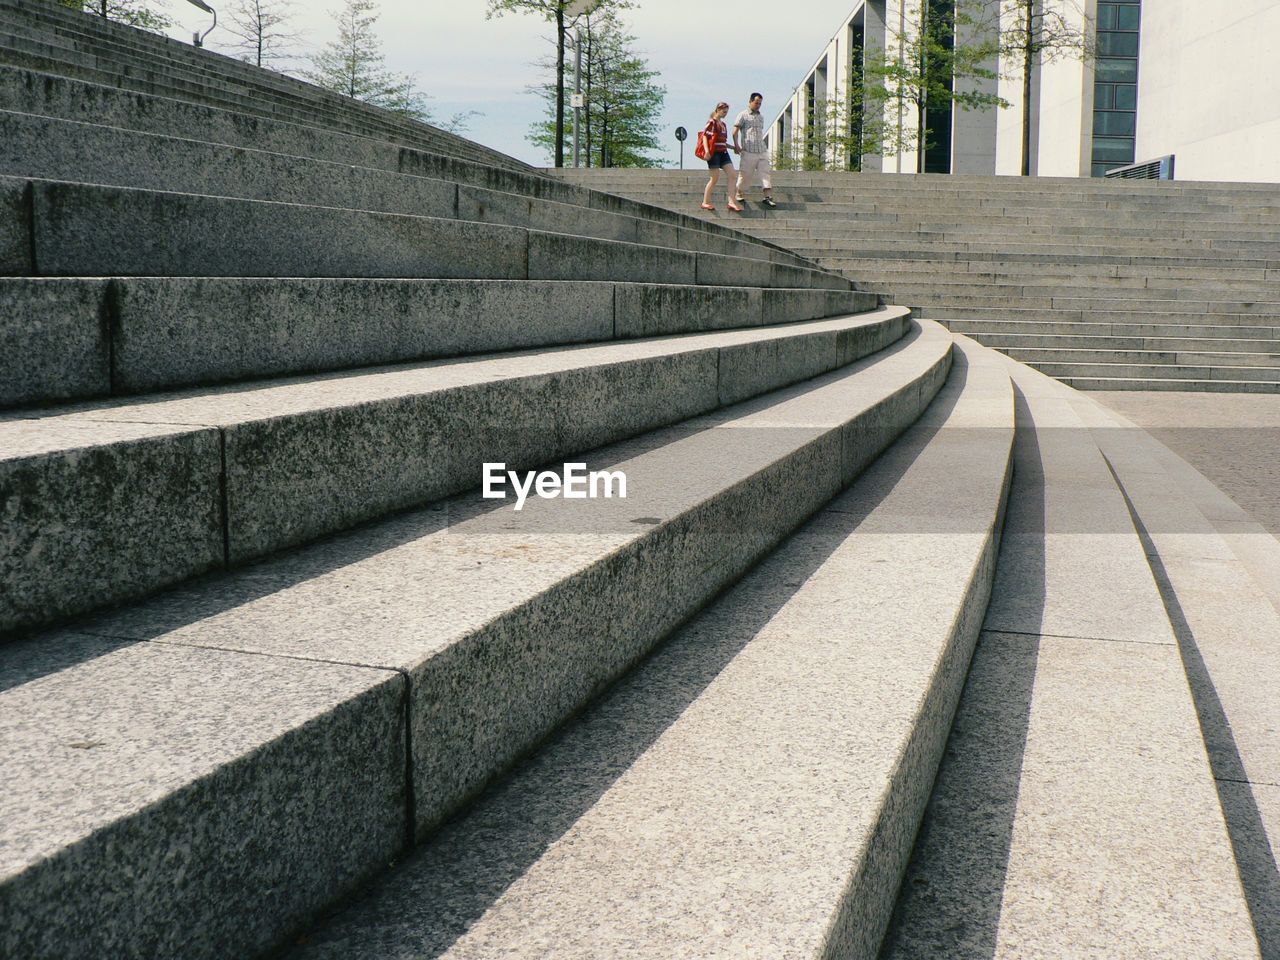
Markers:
<point>197,38</point>
<point>575,9</point>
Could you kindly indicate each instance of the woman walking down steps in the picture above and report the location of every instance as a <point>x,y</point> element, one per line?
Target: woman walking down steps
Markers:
<point>720,158</point>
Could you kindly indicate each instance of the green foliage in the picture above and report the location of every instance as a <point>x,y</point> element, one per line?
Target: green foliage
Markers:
<point>556,12</point>
<point>352,65</point>
<point>136,13</point>
<point>622,101</point>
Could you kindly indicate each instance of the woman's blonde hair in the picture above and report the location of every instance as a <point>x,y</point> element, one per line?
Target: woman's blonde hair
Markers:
<point>717,107</point>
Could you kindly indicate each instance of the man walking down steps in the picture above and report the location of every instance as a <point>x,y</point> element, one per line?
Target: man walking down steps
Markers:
<point>753,154</point>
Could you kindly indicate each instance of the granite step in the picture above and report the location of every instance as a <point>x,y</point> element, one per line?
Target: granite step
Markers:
<point>965,285</point>
<point>1162,383</point>
<point>1120,323</point>
<point>1222,356</point>
<point>72,229</point>
<point>43,95</point>
<point>112,500</point>
<point>72,338</point>
<point>143,53</point>
<point>68,151</point>
<point>202,775</point>
<point>1119,366</point>
<point>1217,572</point>
<point>1117,340</point>
<point>1075,804</point>
<point>752,788</point>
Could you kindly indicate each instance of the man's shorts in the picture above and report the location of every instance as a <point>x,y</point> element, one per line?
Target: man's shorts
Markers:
<point>721,158</point>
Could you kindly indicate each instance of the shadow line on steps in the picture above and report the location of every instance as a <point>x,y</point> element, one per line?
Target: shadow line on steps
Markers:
<point>425,905</point>
<point>1254,856</point>
<point>951,896</point>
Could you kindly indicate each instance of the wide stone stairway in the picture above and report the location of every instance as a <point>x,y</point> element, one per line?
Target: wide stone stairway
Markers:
<point>821,631</point>
<point>1103,284</point>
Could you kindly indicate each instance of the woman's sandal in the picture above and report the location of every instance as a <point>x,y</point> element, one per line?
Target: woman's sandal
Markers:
<point>734,206</point>
<point>707,206</point>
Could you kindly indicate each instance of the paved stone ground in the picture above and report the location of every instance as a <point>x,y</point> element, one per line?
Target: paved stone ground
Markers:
<point>1232,438</point>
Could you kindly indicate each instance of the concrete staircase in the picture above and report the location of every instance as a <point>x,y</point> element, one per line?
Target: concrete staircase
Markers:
<point>1102,284</point>
<point>276,677</point>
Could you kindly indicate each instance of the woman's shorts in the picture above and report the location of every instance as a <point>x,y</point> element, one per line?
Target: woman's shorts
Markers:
<point>721,158</point>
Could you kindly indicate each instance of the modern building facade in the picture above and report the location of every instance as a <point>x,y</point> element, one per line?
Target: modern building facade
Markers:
<point>1153,78</point>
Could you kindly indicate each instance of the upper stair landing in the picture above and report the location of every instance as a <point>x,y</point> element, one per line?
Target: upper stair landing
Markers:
<point>994,254</point>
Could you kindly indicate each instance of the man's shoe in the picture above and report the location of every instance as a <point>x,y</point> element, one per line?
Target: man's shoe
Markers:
<point>739,199</point>
<point>768,202</point>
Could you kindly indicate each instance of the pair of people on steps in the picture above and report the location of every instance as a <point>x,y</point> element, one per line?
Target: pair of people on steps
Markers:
<point>755,156</point>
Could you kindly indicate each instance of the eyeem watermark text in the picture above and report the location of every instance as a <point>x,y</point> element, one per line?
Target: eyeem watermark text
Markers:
<point>575,483</point>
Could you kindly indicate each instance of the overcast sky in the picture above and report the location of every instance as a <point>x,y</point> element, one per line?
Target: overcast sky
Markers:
<point>465,62</point>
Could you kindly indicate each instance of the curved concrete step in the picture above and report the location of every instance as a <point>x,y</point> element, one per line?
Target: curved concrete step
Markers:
<point>73,338</point>
<point>753,787</point>
<point>319,709</point>
<point>52,149</point>
<point>110,501</point>
<point>1075,804</point>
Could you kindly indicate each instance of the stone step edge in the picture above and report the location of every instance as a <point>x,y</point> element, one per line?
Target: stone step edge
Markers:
<point>407,159</point>
<point>176,333</point>
<point>1087,383</point>
<point>446,765</point>
<point>469,201</point>
<point>84,230</point>
<point>887,724</point>
<point>322,102</point>
<point>212,479</point>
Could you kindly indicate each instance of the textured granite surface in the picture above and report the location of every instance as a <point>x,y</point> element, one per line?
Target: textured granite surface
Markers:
<point>302,458</point>
<point>54,149</point>
<point>1062,826</point>
<point>166,801</point>
<point>521,617</point>
<point>103,231</point>
<point>646,310</point>
<point>1229,636</point>
<point>15,228</point>
<point>1068,537</point>
<point>46,95</point>
<point>753,788</point>
<point>92,514</point>
<point>555,256</point>
<point>53,340</point>
<point>717,270</point>
<point>180,331</point>
<point>1075,813</point>
<point>1233,439</point>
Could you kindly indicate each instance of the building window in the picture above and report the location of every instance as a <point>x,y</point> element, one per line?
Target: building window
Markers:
<point>1115,88</point>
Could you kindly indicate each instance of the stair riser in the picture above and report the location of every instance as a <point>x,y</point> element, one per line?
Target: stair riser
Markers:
<point>178,503</point>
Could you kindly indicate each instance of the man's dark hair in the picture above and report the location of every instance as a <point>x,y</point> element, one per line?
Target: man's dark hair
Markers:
<point>754,95</point>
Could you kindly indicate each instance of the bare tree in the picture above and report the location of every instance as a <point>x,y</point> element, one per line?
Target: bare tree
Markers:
<point>261,30</point>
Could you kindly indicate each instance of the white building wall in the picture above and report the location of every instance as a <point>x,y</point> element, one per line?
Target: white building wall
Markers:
<point>973,132</point>
<point>1209,88</point>
<point>1208,92</point>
